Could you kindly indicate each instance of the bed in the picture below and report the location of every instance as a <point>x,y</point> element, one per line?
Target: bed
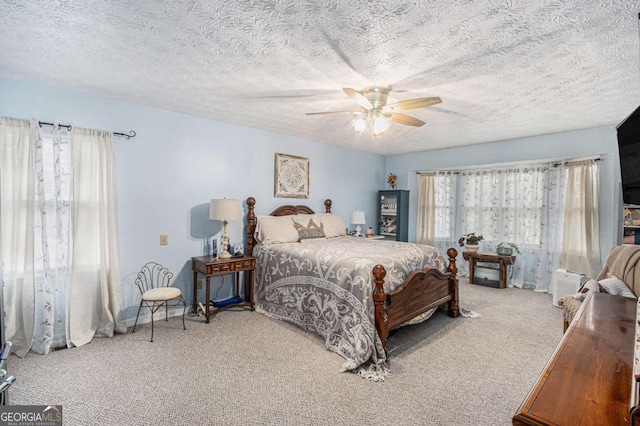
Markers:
<point>352,291</point>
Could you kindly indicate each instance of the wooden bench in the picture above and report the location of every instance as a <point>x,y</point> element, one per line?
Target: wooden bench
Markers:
<point>588,380</point>
<point>503,262</point>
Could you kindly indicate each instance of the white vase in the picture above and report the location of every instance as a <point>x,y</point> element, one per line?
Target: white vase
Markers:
<point>472,248</point>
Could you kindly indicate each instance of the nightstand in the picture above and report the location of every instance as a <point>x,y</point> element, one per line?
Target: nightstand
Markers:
<point>210,267</point>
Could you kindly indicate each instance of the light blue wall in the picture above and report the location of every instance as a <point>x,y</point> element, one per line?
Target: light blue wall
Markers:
<point>598,141</point>
<point>167,174</point>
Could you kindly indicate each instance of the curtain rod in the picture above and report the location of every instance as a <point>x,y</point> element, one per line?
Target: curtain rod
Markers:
<point>566,163</point>
<point>455,172</point>
<point>557,164</point>
<point>131,134</point>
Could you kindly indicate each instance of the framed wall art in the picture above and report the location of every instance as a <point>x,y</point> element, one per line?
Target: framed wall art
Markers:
<point>291,177</point>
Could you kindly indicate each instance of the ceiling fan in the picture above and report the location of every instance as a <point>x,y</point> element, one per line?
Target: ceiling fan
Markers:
<point>376,112</point>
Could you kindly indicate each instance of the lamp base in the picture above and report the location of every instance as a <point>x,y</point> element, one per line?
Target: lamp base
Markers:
<point>224,254</point>
<point>358,229</point>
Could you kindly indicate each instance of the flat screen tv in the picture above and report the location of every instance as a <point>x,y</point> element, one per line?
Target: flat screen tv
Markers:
<point>629,149</point>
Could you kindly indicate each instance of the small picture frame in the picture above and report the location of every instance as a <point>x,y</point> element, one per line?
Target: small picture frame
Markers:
<point>291,176</point>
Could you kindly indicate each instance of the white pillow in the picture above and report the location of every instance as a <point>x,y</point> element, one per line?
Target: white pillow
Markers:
<point>333,225</point>
<point>616,287</point>
<point>275,229</point>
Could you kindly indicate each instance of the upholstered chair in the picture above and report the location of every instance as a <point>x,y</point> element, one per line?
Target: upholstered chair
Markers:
<point>623,263</point>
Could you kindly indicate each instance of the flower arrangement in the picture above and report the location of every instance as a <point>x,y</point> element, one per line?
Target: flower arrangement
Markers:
<point>470,239</point>
<point>392,180</point>
<point>507,248</point>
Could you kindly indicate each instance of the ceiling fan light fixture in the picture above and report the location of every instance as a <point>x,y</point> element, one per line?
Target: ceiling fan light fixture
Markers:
<point>359,125</point>
<point>380,125</point>
<point>376,114</point>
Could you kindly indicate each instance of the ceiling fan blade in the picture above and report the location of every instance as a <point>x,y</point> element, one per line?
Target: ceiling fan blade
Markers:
<point>413,103</point>
<point>404,119</point>
<point>289,94</point>
<point>334,112</point>
<point>357,96</point>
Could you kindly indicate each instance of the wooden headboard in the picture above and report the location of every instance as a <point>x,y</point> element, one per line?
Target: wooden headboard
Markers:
<point>280,211</point>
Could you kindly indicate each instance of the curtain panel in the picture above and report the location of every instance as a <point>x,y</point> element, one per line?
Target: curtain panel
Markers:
<point>97,297</point>
<point>436,211</point>
<point>581,250</point>
<point>425,228</point>
<point>17,184</point>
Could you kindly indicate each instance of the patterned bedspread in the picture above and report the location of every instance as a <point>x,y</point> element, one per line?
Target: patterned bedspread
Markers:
<point>326,285</point>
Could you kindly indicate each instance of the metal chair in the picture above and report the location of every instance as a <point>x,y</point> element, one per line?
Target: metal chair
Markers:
<point>153,281</point>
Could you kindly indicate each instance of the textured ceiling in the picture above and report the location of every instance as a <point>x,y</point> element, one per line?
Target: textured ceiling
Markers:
<point>503,68</point>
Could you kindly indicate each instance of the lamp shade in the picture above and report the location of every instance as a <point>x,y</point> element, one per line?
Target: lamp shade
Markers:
<point>224,209</point>
<point>357,218</point>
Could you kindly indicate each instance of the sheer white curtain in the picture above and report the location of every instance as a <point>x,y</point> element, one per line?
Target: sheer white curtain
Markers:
<point>552,235</point>
<point>60,241</point>
<point>513,205</point>
<point>581,251</point>
<point>52,234</point>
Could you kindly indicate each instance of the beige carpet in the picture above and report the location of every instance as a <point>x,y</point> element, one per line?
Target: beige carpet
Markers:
<point>244,368</point>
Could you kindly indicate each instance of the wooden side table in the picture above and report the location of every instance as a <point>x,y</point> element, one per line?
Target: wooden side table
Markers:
<point>210,266</point>
<point>502,261</point>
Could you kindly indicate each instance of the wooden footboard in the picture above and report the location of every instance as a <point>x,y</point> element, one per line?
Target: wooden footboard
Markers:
<point>421,291</point>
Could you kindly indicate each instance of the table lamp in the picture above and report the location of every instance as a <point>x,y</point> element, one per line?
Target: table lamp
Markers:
<point>224,210</point>
<point>357,218</point>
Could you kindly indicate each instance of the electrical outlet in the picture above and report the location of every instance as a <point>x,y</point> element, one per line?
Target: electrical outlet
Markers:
<point>199,285</point>
<point>164,240</point>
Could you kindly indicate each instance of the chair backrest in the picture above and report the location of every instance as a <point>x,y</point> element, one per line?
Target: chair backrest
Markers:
<point>153,275</point>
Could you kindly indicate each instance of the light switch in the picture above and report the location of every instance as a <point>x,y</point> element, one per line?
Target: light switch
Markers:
<point>164,240</point>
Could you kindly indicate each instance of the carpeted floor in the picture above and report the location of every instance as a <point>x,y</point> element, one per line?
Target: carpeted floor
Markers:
<point>246,369</point>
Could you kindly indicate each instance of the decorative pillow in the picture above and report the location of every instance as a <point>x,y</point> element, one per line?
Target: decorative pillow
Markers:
<point>311,231</point>
<point>333,224</point>
<point>303,219</point>
<point>589,286</point>
<point>275,229</point>
<point>616,287</point>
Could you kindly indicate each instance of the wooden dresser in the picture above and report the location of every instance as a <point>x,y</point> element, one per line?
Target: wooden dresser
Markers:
<point>588,380</point>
